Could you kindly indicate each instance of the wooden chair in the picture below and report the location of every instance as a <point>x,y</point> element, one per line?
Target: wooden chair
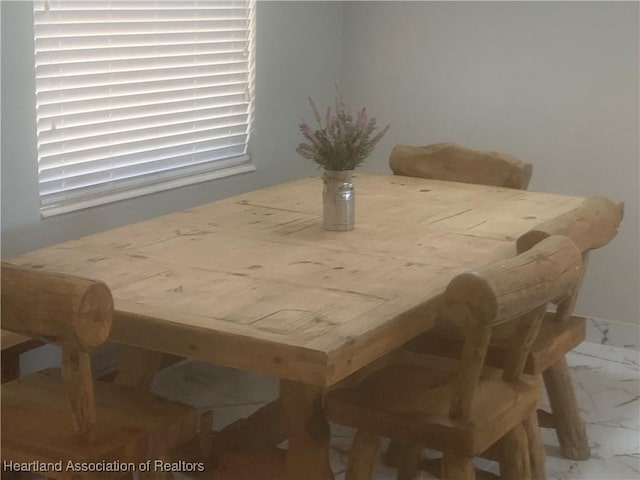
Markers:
<point>590,226</point>
<point>448,161</point>
<point>62,415</point>
<point>459,407</point>
<point>452,162</point>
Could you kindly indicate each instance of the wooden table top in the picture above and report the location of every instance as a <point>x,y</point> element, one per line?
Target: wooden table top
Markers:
<point>254,282</point>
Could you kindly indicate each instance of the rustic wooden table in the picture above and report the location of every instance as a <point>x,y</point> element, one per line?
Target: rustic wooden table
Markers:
<point>254,282</point>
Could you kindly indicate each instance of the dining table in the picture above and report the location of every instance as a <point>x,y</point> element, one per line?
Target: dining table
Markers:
<point>255,283</point>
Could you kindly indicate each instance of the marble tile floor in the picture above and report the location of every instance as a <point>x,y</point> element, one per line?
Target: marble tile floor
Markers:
<point>607,386</point>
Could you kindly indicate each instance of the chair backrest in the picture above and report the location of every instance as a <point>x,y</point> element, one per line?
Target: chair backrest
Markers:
<point>70,311</point>
<point>514,289</point>
<point>448,161</point>
<point>592,225</point>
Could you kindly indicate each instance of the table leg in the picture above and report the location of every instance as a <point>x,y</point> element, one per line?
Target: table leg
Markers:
<point>138,366</point>
<point>10,367</point>
<point>308,431</point>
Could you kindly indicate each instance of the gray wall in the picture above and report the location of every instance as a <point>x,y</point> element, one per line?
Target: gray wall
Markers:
<point>299,53</point>
<point>553,83</point>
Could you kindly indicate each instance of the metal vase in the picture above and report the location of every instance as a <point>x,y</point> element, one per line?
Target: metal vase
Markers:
<point>338,200</point>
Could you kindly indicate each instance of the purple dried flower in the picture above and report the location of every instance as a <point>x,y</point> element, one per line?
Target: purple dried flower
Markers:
<point>341,144</point>
<point>306,131</point>
<point>316,113</point>
<point>362,118</point>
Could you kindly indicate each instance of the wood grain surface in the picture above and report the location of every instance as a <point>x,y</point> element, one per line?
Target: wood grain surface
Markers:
<point>254,282</point>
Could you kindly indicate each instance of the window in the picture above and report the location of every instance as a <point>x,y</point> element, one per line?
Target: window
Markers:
<point>134,97</point>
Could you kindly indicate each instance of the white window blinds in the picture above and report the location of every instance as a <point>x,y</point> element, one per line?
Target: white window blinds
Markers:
<point>139,96</point>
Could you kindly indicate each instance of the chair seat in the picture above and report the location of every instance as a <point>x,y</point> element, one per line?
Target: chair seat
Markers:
<point>410,399</point>
<point>133,426</point>
<point>554,341</point>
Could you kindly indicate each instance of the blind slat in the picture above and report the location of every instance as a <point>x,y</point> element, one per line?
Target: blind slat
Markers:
<point>88,178</point>
<point>124,89</point>
<point>166,156</point>
<point>155,98</point>
<point>78,153</point>
<point>140,112</point>
<point>142,76</point>
<point>188,119</point>
<point>120,41</point>
<point>224,62</point>
<point>133,93</point>
<point>132,126</point>
<point>57,56</point>
<point>90,29</point>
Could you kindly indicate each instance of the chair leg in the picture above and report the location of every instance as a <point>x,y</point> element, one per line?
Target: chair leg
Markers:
<point>568,422</point>
<point>10,366</point>
<point>393,456</point>
<point>536,448</point>
<point>409,466</point>
<point>514,461</point>
<point>455,467</point>
<point>363,458</point>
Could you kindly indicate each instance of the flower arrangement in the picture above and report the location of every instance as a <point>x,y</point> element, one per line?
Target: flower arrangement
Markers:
<point>342,143</point>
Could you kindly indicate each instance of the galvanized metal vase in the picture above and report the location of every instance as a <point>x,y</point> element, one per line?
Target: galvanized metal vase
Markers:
<point>338,200</point>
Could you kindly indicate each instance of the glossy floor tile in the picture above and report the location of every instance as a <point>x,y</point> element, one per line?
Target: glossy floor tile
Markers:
<point>607,387</point>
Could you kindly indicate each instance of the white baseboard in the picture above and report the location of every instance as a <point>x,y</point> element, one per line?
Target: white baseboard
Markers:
<point>621,335</point>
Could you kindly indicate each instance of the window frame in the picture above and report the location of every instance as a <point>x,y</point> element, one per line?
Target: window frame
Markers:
<point>162,180</point>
